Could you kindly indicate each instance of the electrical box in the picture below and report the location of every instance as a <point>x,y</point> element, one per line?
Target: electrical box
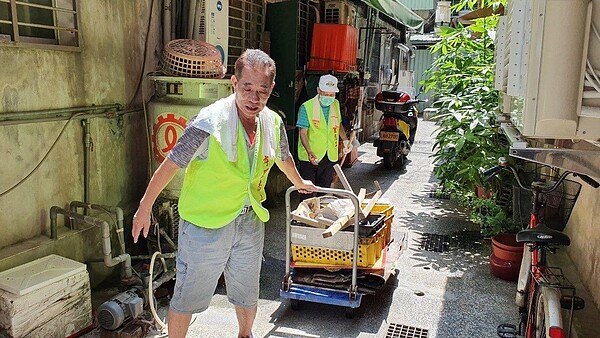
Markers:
<point>548,67</point>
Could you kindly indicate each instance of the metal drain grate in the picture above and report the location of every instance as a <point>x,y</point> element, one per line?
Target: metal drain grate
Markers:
<point>403,331</point>
<point>434,242</point>
<point>439,193</point>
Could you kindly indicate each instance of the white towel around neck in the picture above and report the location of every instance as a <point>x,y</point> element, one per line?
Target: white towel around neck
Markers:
<point>220,119</point>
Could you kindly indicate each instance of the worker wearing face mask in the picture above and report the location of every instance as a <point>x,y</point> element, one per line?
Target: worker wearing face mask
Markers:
<point>319,121</point>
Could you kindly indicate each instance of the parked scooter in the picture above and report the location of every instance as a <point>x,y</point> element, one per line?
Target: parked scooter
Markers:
<point>397,128</point>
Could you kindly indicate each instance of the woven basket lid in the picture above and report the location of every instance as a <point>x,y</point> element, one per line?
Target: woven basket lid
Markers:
<point>192,58</point>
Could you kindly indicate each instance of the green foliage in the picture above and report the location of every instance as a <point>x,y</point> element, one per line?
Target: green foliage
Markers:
<point>470,4</point>
<point>467,139</point>
<point>492,218</point>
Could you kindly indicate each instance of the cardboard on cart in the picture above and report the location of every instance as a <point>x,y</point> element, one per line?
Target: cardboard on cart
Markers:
<point>307,211</point>
<point>48,297</point>
<point>343,240</point>
<point>309,236</point>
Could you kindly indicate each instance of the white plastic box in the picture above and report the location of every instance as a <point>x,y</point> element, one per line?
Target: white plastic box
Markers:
<point>48,297</point>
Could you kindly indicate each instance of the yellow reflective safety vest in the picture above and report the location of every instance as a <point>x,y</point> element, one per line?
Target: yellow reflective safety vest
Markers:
<point>215,190</point>
<point>322,137</point>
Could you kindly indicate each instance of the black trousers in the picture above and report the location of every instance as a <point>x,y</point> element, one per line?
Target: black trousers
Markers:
<point>321,175</point>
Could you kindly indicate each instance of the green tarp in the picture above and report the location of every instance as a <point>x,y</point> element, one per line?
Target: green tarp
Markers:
<point>399,12</point>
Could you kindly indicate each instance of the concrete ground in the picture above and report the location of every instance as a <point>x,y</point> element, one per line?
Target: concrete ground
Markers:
<point>435,294</point>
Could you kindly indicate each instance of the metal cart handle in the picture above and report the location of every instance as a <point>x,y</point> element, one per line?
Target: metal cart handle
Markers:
<point>288,218</point>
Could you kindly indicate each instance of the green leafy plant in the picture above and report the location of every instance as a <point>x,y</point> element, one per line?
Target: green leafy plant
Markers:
<point>467,138</point>
<point>491,217</point>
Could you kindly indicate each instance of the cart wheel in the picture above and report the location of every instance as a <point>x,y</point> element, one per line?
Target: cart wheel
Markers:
<point>350,312</point>
<point>295,304</point>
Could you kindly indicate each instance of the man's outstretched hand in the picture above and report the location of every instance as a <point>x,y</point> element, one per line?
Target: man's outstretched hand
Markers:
<point>141,223</point>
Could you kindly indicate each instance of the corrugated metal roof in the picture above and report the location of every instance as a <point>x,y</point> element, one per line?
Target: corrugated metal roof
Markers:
<point>419,39</point>
<point>417,5</point>
<point>423,60</point>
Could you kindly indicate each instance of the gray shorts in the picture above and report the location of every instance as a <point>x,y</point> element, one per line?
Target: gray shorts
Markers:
<point>204,254</point>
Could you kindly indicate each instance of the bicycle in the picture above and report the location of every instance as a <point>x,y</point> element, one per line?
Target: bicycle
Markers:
<point>542,291</point>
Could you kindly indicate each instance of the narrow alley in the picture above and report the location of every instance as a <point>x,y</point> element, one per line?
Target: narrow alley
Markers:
<point>435,294</point>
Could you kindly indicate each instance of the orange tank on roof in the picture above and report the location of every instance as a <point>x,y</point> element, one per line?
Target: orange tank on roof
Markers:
<point>334,47</point>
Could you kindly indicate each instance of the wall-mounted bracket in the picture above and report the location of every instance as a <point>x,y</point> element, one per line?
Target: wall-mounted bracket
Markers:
<point>579,156</point>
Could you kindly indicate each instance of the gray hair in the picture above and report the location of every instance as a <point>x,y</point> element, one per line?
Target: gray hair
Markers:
<point>256,59</point>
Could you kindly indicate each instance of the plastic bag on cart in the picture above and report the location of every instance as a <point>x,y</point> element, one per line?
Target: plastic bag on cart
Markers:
<point>338,208</point>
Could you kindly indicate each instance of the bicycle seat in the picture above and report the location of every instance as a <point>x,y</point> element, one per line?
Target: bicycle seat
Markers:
<point>543,235</point>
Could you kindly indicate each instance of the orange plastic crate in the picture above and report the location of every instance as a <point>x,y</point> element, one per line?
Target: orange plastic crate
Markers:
<point>334,47</point>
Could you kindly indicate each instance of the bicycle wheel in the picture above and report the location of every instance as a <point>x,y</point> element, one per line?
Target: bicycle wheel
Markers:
<point>539,319</point>
<point>547,316</point>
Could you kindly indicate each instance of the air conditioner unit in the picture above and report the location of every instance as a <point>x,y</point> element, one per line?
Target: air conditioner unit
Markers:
<point>548,68</point>
<point>339,12</point>
<point>213,25</point>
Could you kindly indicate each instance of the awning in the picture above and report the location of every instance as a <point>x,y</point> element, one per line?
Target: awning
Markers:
<point>399,12</point>
<point>469,18</point>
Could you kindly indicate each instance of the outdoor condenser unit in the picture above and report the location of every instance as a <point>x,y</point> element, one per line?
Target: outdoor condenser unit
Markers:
<point>339,12</point>
<point>548,67</point>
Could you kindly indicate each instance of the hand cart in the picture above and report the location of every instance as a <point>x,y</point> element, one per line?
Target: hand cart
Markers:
<point>298,290</point>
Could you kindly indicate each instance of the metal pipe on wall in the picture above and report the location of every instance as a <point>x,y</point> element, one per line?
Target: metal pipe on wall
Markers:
<point>59,111</point>
<point>87,150</point>
<point>165,277</point>
<point>175,18</point>
<point>163,255</point>
<point>61,114</point>
<point>167,5</point>
<point>107,114</point>
<point>191,17</point>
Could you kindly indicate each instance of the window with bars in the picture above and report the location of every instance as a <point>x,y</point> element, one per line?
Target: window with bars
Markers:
<point>245,27</point>
<point>39,22</point>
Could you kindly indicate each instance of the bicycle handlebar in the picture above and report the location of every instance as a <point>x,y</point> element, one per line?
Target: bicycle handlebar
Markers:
<point>491,172</point>
<point>588,180</point>
<point>503,164</point>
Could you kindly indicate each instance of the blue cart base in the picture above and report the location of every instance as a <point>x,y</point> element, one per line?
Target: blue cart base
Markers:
<point>320,295</point>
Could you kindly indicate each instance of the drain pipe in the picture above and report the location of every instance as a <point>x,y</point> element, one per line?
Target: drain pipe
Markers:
<point>190,19</point>
<point>88,144</point>
<point>53,228</point>
<point>109,260</point>
<point>167,8</point>
<point>118,212</point>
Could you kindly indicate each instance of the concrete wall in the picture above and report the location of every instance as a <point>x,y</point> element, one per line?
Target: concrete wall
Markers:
<point>584,230</point>
<point>105,71</point>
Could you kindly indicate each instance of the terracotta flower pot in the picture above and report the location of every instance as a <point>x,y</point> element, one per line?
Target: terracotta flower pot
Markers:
<point>505,261</point>
<point>482,192</point>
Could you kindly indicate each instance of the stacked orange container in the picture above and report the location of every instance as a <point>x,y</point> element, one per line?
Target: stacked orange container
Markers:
<point>334,48</point>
